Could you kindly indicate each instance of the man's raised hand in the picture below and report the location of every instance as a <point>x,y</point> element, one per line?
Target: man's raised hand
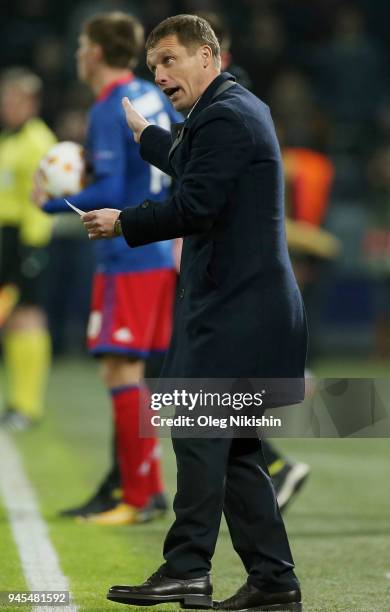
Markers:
<point>136,122</point>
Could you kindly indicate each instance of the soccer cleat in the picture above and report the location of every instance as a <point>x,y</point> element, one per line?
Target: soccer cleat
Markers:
<point>288,480</point>
<point>99,502</point>
<point>155,508</point>
<point>122,514</point>
<point>107,496</point>
<point>125,514</point>
<point>12,420</point>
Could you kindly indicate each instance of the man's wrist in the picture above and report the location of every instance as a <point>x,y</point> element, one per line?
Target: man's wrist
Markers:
<point>142,130</point>
<point>118,227</point>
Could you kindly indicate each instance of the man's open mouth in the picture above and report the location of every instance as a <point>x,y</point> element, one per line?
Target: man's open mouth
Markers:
<point>170,91</point>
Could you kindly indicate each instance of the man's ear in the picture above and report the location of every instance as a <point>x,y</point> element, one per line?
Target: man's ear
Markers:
<point>98,53</point>
<point>206,55</point>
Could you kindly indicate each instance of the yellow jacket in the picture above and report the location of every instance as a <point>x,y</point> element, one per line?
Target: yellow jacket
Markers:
<point>20,154</point>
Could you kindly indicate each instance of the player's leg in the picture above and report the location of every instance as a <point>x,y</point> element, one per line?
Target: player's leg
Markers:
<point>26,341</point>
<point>109,492</point>
<point>149,301</point>
<point>9,297</point>
<point>129,474</point>
<point>107,495</point>
<point>122,329</point>
<point>27,353</point>
<point>123,378</point>
<point>287,475</point>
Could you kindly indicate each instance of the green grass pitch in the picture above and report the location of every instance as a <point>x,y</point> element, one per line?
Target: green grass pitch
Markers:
<point>338,527</point>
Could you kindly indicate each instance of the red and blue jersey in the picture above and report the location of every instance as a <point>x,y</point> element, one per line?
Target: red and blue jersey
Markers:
<point>112,151</point>
<point>120,177</point>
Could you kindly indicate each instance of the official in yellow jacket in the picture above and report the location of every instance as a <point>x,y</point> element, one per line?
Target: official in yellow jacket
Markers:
<point>24,233</point>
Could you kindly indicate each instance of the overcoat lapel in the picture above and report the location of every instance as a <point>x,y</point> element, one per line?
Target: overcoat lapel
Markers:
<point>218,86</point>
<point>177,131</point>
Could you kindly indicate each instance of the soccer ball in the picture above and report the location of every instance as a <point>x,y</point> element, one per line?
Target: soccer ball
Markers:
<point>62,170</point>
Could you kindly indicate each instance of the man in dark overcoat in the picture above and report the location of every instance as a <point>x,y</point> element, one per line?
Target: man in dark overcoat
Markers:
<point>239,313</point>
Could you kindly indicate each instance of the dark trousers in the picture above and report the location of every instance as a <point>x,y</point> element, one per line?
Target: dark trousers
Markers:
<point>229,475</point>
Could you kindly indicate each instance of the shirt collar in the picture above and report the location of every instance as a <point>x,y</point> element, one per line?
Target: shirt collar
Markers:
<point>110,86</point>
<point>193,107</point>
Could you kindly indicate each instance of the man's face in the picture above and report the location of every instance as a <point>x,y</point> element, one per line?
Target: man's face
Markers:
<point>16,106</point>
<point>86,58</point>
<point>181,73</point>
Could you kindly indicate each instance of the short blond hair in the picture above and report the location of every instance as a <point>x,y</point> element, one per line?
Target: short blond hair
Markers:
<point>23,78</point>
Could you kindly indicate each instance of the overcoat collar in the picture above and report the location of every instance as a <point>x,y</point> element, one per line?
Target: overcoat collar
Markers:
<point>177,129</point>
<point>207,95</point>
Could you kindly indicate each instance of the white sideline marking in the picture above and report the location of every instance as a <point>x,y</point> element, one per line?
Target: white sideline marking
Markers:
<point>387,575</point>
<point>39,559</point>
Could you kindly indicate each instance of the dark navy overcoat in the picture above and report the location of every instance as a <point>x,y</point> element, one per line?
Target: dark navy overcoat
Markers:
<point>239,311</point>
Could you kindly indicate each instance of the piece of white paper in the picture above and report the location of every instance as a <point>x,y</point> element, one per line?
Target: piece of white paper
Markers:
<point>79,212</point>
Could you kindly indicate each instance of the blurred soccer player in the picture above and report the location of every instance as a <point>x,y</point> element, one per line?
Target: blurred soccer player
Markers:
<point>24,233</point>
<point>133,290</point>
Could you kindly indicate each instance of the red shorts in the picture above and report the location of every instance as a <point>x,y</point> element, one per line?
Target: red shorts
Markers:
<point>131,313</point>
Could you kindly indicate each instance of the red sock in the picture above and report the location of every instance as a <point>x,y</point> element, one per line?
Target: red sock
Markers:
<point>139,469</point>
<point>155,478</point>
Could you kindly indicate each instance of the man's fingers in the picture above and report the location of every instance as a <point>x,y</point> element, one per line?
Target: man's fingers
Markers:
<point>89,216</point>
<point>134,118</point>
<point>94,232</point>
<point>127,105</point>
<point>97,234</point>
<point>88,224</point>
<point>130,111</point>
<point>90,221</point>
<point>95,229</point>
<point>90,227</point>
<point>100,223</point>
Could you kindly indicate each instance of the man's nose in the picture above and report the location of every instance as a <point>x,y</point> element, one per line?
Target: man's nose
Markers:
<point>160,76</point>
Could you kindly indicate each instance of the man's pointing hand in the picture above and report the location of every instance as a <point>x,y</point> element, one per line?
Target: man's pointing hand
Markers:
<point>136,122</point>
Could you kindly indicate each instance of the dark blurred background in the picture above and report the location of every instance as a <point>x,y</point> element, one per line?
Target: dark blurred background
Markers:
<point>323,67</point>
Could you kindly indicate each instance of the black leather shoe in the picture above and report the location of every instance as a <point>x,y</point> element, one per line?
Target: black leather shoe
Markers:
<point>248,597</point>
<point>192,593</point>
